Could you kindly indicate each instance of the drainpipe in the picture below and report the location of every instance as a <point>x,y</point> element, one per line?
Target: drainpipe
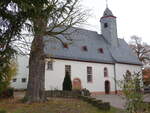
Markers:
<point>115,80</point>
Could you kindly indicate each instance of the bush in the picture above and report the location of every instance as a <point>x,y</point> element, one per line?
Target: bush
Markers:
<point>24,99</point>
<point>131,88</point>
<point>7,72</point>
<point>9,92</point>
<point>67,84</point>
<point>85,92</point>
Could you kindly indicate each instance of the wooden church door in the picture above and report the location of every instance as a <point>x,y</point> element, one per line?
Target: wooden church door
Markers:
<point>77,83</point>
<point>107,87</point>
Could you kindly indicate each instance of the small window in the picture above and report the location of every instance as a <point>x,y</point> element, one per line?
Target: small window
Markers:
<point>105,72</point>
<point>128,75</point>
<point>101,50</point>
<point>84,48</point>
<point>24,80</point>
<point>65,45</point>
<point>68,69</point>
<point>89,74</point>
<point>14,80</point>
<point>105,25</point>
<point>49,65</point>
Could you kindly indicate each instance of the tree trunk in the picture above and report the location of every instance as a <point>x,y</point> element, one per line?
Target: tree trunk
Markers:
<point>36,84</point>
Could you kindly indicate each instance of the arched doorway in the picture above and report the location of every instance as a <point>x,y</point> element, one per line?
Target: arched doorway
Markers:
<point>77,83</point>
<point>107,87</point>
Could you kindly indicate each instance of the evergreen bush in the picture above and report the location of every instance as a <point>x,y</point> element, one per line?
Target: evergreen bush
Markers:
<point>67,84</point>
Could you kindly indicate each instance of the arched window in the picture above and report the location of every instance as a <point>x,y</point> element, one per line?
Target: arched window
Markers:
<point>128,75</point>
<point>105,72</point>
<point>49,65</point>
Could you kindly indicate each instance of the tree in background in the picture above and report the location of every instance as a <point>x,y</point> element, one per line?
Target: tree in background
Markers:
<point>41,18</point>
<point>141,49</point>
<point>67,84</point>
<point>146,76</point>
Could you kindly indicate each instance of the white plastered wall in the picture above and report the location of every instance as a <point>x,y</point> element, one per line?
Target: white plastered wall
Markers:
<point>22,72</point>
<point>122,68</point>
<point>54,78</point>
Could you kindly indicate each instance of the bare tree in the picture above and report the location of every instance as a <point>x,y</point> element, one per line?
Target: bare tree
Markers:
<point>141,49</point>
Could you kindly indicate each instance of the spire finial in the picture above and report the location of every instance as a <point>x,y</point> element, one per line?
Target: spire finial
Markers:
<point>106,3</point>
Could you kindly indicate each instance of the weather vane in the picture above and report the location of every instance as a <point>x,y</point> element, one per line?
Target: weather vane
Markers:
<point>106,3</point>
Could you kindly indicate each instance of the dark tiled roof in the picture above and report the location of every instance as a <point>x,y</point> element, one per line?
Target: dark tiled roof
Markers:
<point>93,41</point>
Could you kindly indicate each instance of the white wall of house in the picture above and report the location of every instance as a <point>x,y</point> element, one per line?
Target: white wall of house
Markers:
<point>22,73</point>
<point>122,68</point>
<point>54,78</point>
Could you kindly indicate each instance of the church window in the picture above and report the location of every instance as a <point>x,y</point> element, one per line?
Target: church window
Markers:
<point>24,80</point>
<point>105,25</point>
<point>84,48</point>
<point>49,65</point>
<point>128,75</point>
<point>105,72</point>
<point>89,74</point>
<point>101,50</point>
<point>68,69</point>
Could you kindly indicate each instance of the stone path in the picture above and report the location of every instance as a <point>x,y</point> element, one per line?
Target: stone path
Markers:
<point>147,97</point>
<point>115,100</point>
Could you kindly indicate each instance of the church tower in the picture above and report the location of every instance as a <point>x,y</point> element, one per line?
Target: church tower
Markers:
<point>109,27</point>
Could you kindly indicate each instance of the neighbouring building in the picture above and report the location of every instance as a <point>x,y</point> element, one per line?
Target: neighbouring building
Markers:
<point>20,80</point>
<point>94,61</point>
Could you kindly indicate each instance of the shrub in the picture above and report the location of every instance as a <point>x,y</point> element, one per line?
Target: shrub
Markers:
<point>24,99</point>
<point>67,84</point>
<point>85,92</point>
<point>7,72</point>
<point>9,92</point>
<point>131,88</point>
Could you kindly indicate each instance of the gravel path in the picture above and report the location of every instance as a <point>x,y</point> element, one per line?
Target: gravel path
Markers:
<point>115,100</point>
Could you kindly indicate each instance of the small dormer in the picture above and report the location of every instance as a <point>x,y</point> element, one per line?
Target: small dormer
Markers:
<point>109,27</point>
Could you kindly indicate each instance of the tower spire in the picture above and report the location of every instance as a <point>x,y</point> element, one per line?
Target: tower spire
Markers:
<point>106,3</point>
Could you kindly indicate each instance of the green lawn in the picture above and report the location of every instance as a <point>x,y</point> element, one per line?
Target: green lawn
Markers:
<point>54,105</point>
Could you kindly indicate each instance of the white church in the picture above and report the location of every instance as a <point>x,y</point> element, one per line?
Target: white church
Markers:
<point>94,61</point>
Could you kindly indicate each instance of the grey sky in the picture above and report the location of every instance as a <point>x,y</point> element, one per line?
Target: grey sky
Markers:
<point>133,16</point>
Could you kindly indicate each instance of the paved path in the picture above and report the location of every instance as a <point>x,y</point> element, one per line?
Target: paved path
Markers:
<point>115,100</point>
<point>147,97</point>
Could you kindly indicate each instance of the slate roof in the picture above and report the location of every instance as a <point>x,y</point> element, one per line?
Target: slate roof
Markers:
<point>93,41</point>
<point>107,12</point>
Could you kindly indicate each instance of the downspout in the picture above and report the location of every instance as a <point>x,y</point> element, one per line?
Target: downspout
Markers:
<point>115,75</point>
<point>115,80</point>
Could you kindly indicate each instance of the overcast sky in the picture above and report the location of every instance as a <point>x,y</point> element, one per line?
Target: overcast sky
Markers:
<point>133,16</point>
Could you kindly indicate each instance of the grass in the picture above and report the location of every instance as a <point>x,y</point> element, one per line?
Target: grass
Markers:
<point>54,105</point>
